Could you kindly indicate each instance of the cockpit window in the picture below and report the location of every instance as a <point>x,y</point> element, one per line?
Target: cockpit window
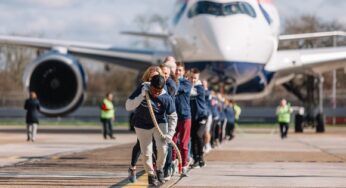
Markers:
<point>221,9</point>
<point>265,14</point>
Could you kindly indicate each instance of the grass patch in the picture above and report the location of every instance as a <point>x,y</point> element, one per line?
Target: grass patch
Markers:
<point>74,123</point>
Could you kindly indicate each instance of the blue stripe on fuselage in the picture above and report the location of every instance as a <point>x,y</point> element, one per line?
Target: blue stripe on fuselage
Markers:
<point>246,73</point>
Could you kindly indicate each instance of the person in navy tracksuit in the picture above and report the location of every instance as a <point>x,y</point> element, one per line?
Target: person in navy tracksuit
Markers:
<point>136,150</point>
<point>199,118</point>
<point>165,114</point>
<point>207,135</point>
<point>171,87</point>
<point>216,118</point>
<point>223,118</point>
<point>230,115</point>
<point>182,103</point>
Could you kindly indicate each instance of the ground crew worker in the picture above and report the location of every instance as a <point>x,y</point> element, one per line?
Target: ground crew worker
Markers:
<point>237,112</point>
<point>165,114</point>
<point>107,116</point>
<point>32,105</point>
<point>283,113</point>
<point>199,118</point>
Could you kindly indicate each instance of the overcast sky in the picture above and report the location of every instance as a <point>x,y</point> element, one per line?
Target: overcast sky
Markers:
<point>101,20</point>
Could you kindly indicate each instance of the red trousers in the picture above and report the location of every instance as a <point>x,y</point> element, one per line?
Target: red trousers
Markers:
<point>182,133</point>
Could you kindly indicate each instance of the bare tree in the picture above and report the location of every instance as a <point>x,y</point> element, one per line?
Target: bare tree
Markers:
<point>147,23</point>
<point>310,24</point>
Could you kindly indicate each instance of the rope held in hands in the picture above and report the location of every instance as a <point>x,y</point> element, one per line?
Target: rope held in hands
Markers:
<point>152,115</point>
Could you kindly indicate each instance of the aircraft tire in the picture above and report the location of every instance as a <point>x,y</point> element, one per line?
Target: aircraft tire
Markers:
<point>320,123</point>
<point>298,123</point>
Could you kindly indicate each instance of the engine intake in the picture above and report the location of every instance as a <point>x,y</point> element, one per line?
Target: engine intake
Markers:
<point>59,81</point>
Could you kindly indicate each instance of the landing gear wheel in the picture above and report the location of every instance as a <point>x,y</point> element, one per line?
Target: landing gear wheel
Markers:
<point>298,123</point>
<point>320,123</point>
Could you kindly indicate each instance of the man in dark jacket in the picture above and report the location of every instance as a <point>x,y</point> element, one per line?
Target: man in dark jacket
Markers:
<point>32,106</point>
<point>199,118</point>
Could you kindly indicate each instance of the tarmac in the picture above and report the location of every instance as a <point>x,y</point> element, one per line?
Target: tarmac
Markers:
<point>254,158</point>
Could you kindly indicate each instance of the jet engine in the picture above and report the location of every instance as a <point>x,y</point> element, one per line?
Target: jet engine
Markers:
<point>59,82</point>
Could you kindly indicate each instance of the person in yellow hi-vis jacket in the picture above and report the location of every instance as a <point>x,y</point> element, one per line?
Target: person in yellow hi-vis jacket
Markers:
<point>283,113</point>
<point>237,112</point>
<point>107,116</point>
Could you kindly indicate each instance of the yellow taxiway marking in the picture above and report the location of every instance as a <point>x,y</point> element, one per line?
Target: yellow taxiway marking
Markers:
<point>13,157</point>
<point>55,157</point>
<point>142,181</point>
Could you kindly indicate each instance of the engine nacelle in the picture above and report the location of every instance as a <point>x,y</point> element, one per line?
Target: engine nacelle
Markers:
<point>59,81</point>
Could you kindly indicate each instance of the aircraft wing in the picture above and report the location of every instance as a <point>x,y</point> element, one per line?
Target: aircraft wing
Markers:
<point>312,35</point>
<point>162,36</point>
<point>310,61</point>
<point>137,59</point>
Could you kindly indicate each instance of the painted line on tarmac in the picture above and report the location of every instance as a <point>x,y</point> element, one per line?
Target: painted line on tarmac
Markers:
<point>13,157</point>
<point>142,181</point>
<point>61,175</point>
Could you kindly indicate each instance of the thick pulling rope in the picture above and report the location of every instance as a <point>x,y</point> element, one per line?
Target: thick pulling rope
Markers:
<point>152,115</point>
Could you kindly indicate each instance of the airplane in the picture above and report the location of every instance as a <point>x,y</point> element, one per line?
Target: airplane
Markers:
<point>233,42</point>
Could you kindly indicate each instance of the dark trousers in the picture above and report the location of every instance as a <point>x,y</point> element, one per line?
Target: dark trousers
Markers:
<point>197,142</point>
<point>107,127</point>
<point>221,129</point>
<point>230,129</point>
<point>283,129</point>
<point>136,152</point>
<point>214,132</point>
<point>217,130</point>
<point>169,158</point>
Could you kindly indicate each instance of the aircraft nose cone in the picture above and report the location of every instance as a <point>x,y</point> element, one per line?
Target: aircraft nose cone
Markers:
<point>227,37</point>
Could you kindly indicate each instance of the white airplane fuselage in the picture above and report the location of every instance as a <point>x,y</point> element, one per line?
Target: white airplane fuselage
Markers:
<point>227,43</point>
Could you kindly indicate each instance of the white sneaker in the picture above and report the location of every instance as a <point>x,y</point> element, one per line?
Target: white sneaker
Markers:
<point>208,148</point>
<point>191,161</point>
<point>184,171</point>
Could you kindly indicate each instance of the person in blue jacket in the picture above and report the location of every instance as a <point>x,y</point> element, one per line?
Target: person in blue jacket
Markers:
<point>223,118</point>
<point>230,115</point>
<point>171,87</point>
<point>165,114</point>
<point>136,150</point>
<point>214,131</point>
<point>199,118</point>
<point>182,103</point>
<point>207,135</point>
